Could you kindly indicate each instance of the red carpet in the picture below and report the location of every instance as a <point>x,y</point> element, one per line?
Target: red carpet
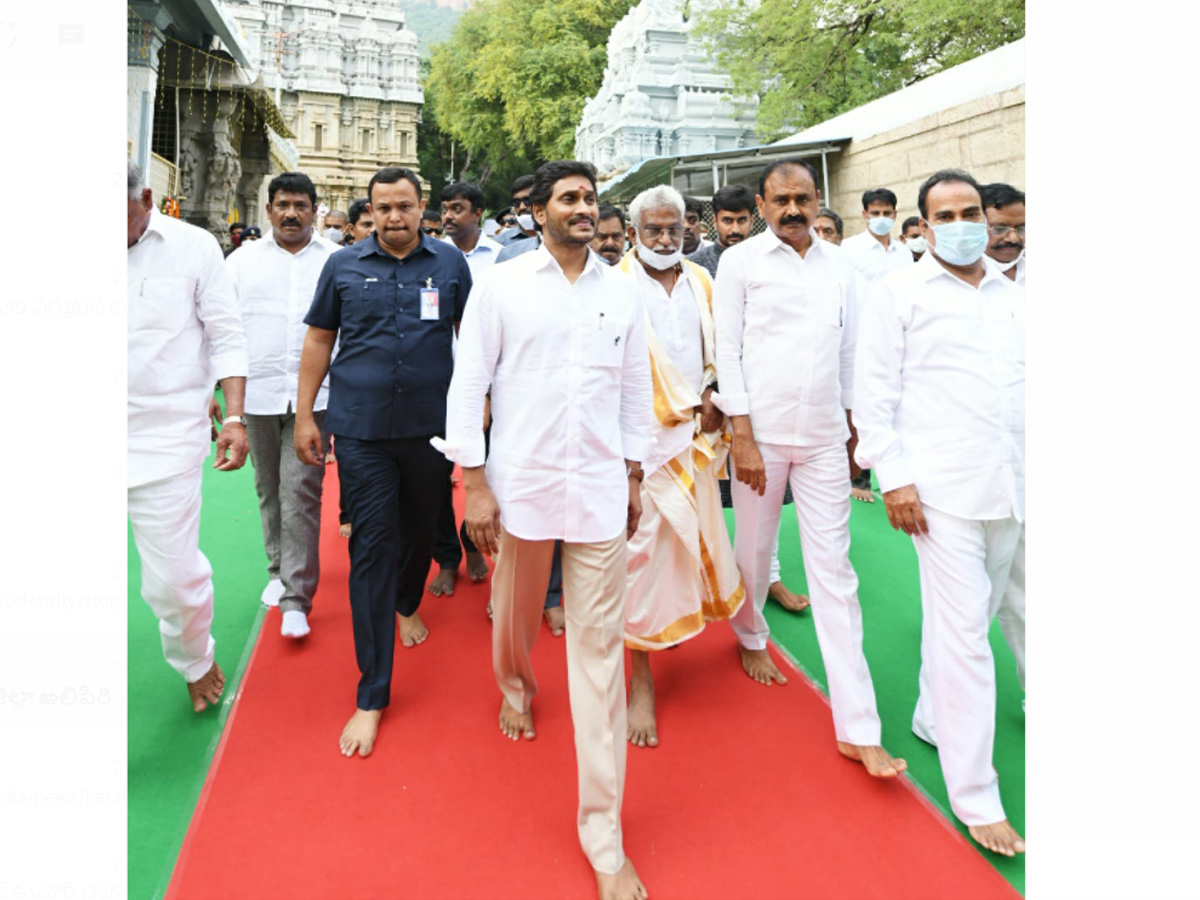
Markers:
<point>746,797</point>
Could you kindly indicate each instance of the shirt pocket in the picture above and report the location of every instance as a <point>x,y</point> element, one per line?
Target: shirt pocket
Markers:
<point>164,304</point>
<point>608,343</point>
<point>365,301</point>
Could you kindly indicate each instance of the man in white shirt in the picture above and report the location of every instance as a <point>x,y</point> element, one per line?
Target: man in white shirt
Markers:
<point>682,572</point>
<point>184,332</point>
<point>785,304</point>
<point>940,410</point>
<point>274,280</point>
<point>462,210</point>
<point>560,338</point>
<point>912,237</point>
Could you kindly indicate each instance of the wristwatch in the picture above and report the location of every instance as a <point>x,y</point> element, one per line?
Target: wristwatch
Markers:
<point>631,472</point>
<point>235,420</point>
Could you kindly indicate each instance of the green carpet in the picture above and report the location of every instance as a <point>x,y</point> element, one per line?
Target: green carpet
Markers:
<point>170,747</point>
<point>889,592</point>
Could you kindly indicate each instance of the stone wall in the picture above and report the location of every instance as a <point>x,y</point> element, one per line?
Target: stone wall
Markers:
<point>986,137</point>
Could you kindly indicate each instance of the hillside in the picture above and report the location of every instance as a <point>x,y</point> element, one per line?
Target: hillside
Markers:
<point>431,20</point>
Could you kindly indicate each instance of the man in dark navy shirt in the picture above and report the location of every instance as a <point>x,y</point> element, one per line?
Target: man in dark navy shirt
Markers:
<point>392,302</point>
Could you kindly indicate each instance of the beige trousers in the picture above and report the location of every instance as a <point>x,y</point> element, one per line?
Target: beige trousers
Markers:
<point>594,607</point>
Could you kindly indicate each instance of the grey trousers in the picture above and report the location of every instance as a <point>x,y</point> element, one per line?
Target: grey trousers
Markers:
<point>289,501</point>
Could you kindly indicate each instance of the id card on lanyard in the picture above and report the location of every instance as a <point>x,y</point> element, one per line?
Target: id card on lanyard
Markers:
<point>429,302</point>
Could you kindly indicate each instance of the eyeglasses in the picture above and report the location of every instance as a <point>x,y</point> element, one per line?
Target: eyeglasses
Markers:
<point>521,201</point>
<point>654,232</point>
<point>1001,230</point>
<point>432,230</point>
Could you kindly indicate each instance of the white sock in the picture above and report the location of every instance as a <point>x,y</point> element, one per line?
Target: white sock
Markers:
<point>272,593</point>
<point>295,624</point>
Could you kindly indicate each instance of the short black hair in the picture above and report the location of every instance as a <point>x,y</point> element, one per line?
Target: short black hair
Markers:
<point>292,183</point>
<point>552,172</point>
<point>733,198</point>
<point>830,214</point>
<point>431,215</point>
<point>610,212</point>
<point>393,174</point>
<point>357,209</point>
<point>937,178</point>
<point>999,194</point>
<point>234,226</point>
<point>520,183</point>
<point>879,195</point>
<point>693,205</point>
<point>910,222</point>
<point>787,162</point>
<point>466,191</point>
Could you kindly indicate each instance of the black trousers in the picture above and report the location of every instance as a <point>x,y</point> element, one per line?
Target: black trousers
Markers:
<point>727,493</point>
<point>862,481</point>
<point>393,491</point>
<point>447,551</point>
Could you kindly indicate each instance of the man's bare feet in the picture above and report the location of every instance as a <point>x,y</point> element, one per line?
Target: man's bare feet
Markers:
<point>862,494</point>
<point>359,734</point>
<point>787,599</point>
<point>477,567</point>
<point>412,630</point>
<point>344,530</point>
<point>207,691</point>
<point>625,885</point>
<point>759,666</point>
<point>999,837</point>
<point>878,761</point>
<point>555,619</point>
<point>642,729</point>
<point>443,583</point>
<point>514,724</point>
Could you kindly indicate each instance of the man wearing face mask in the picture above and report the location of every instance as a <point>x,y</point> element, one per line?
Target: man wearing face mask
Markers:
<point>610,234</point>
<point>733,214</point>
<point>274,280</point>
<point>682,572</point>
<point>1005,207</point>
<point>521,210</point>
<point>785,305</point>
<point>913,238</point>
<point>335,227</point>
<point>940,401</point>
<point>873,252</point>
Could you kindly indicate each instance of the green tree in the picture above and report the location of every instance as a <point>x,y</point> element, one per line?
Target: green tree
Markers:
<point>810,60</point>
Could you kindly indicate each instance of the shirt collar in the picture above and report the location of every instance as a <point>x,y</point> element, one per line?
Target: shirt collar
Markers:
<point>773,243</point>
<point>931,269</point>
<point>546,259</point>
<point>371,245</point>
<point>312,239</point>
<point>154,225</point>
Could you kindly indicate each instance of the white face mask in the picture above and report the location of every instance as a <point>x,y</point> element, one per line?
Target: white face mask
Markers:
<point>334,234</point>
<point>525,220</point>
<point>659,261</point>
<point>881,225</point>
<point>916,245</point>
<point>1004,267</point>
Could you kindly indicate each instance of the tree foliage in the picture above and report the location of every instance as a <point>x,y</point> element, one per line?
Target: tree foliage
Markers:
<point>512,81</point>
<point>810,60</point>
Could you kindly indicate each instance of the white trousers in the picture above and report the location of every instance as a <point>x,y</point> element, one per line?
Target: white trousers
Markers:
<point>820,480</point>
<point>964,566</point>
<point>176,576</point>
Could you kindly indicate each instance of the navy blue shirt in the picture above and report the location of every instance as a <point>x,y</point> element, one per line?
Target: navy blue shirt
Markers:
<point>392,370</point>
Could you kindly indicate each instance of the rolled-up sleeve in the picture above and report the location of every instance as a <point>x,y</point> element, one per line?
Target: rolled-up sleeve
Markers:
<point>878,379</point>
<point>217,307</point>
<point>474,367</point>
<point>326,309</point>
<point>729,303</point>
<point>637,390</point>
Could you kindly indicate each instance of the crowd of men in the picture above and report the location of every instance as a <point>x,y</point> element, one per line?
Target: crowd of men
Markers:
<point>595,374</point>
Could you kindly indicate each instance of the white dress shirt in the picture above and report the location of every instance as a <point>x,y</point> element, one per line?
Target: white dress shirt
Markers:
<point>1018,264</point>
<point>569,372</point>
<point>184,334</point>
<point>675,318</point>
<point>941,389</point>
<point>786,327</point>
<point>872,259</point>
<point>275,291</point>
<point>481,256</point>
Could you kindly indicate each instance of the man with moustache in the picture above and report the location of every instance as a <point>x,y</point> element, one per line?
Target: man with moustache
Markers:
<point>1005,208</point>
<point>940,410</point>
<point>274,280</point>
<point>392,302</point>
<point>693,226</point>
<point>559,337</point>
<point>609,241</point>
<point>785,304</point>
<point>733,214</point>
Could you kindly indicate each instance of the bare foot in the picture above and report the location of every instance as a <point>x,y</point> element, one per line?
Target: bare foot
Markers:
<point>625,885</point>
<point>791,602</point>
<point>344,530</point>
<point>477,567</point>
<point>412,630</point>
<point>642,729</point>
<point>359,733</point>
<point>862,494</point>
<point>759,666</point>
<point>877,760</point>
<point>443,583</point>
<point>514,724</point>
<point>555,619</point>
<point>999,837</point>
<point>207,691</point>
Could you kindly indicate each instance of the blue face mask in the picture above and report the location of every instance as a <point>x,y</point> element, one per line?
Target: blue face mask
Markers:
<point>881,225</point>
<point>960,243</point>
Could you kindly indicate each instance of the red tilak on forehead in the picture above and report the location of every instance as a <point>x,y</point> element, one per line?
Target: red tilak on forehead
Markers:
<point>583,186</point>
